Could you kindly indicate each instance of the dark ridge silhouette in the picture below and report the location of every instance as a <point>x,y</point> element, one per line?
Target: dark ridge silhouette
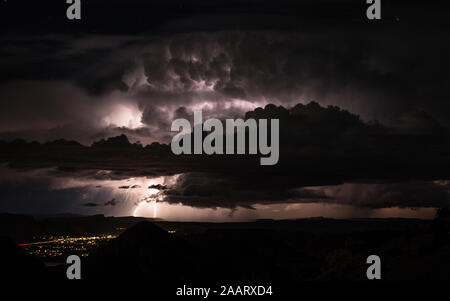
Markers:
<point>271,254</point>
<point>265,250</point>
<point>143,233</point>
<point>143,251</point>
<point>17,264</point>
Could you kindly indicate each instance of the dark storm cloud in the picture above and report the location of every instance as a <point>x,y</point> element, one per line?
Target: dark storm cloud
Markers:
<point>38,191</point>
<point>385,195</point>
<point>112,202</point>
<point>215,190</point>
<point>91,205</point>
<point>29,194</point>
<point>158,186</point>
<point>212,190</point>
<point>155,116</point>
<point>62,86</point>
<point>137,74</point>
<point>318,147</point>
<point>41,104</point>
<point>86,61</point>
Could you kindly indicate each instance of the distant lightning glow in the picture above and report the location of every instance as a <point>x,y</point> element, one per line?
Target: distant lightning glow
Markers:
<point>139,206</point>
<point>124,116</point>
<point>136,209</point>
<point>153,196</point>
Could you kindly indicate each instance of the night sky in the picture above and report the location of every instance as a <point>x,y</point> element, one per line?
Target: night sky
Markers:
<point>364,105</point>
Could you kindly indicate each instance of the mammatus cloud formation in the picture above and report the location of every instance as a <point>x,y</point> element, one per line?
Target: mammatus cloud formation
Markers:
<point>92,87</point>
